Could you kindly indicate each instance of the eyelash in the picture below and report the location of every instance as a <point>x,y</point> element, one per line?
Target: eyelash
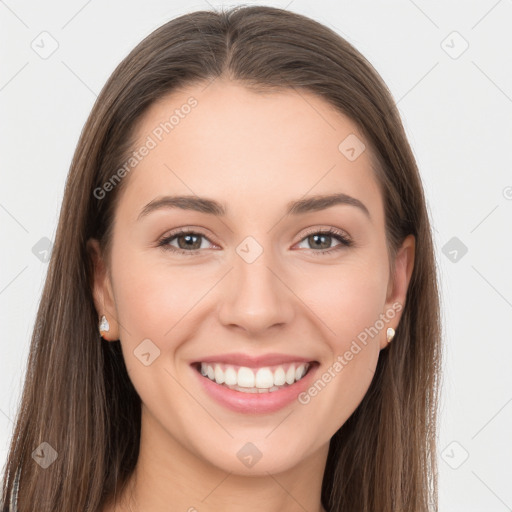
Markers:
<point>334,233</point>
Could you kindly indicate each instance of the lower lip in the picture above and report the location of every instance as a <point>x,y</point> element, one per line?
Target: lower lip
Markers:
<point>258,403</point>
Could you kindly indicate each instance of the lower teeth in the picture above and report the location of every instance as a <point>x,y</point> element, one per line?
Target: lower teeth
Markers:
<point>255,390</point>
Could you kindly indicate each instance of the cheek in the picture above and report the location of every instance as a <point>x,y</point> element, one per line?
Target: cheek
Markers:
<point>150,297</point>
<point>152,302</point>
<point>351,312</point>
<point>348,298</point>
<point>348,302</point>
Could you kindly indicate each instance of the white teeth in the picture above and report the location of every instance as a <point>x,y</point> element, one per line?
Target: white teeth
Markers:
<point>219,374</point>
<point>245,377</point>
<point>264,378</point>
<point>279,377</point>
<point>230,377</point>
<point>290,374</point>
<point>299,372</point>
<point>247,380</point>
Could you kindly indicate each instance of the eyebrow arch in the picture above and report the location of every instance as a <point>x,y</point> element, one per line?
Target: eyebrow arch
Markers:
<point>213,207</point>
<point>322,202</point>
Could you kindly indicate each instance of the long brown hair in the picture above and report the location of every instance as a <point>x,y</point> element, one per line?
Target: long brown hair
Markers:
<point>77,395</point>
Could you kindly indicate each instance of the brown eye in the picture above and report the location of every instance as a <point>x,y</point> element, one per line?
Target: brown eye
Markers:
<point>188,242</point>
<point>319,241</point>
<point>322,241</point>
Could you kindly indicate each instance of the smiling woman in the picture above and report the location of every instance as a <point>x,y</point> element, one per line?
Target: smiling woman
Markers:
<point>246,318</point>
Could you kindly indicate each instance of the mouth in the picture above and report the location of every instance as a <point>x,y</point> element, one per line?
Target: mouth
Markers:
<point>265,379</point>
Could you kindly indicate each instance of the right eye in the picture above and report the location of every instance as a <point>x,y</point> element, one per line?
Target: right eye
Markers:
<point>189,242</point>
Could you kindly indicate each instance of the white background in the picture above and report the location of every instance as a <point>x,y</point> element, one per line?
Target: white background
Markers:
<point>458,117</point>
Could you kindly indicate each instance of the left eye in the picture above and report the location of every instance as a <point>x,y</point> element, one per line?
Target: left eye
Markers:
<point>189,242</point>
<point>324,238</point>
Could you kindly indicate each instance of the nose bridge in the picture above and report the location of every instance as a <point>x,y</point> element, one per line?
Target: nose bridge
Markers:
<point>255,298</point>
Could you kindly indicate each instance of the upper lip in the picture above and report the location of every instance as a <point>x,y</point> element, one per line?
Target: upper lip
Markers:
<point>239,359</point>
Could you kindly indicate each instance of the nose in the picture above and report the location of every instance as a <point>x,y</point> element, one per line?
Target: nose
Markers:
<point>255,297</point>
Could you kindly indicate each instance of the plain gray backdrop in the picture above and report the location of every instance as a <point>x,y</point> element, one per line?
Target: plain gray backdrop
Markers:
<point>448,66</point>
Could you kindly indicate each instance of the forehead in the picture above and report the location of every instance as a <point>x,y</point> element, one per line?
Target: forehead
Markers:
<point>249,150</point>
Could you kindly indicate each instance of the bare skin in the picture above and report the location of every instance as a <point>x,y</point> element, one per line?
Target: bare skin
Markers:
<point>254,153</point>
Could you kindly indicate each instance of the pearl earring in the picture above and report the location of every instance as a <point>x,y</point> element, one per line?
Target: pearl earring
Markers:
<point>104,325</point>
<point>390,333</point>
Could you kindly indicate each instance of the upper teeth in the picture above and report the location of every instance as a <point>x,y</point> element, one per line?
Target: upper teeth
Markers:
<point>266,377</point>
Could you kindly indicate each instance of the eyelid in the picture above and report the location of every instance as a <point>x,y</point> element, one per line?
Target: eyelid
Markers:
<point>196,230</point>
<point>325,229</point>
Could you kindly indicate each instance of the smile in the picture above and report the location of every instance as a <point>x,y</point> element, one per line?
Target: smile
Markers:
<point>266,379</point>
<point>257,390</point>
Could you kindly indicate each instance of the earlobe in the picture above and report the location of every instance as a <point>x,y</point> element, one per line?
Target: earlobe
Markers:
<point>102,293</point>
<point>397,292</point>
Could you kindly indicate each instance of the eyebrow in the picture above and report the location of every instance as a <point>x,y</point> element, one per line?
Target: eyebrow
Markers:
<point>213,207</point>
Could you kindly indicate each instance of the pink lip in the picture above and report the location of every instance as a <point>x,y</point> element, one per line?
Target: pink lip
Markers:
<point>239,359</point>
<point>257,403</point>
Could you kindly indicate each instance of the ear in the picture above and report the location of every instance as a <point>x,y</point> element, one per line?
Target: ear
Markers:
<point>397,287</point>
<point>102,291</point>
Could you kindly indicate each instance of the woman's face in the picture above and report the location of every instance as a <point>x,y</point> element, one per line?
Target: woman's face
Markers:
<point>254,279</point>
